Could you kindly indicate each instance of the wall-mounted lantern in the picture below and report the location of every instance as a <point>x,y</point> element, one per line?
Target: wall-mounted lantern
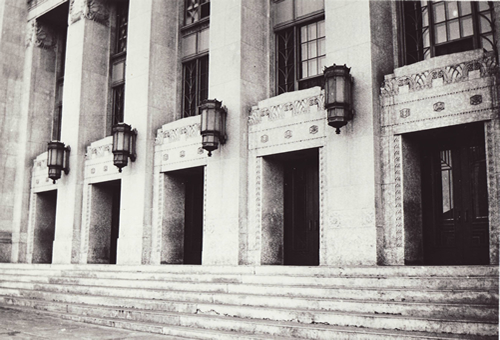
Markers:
<point>124,138</point>
<point>338,95</point>
<point>213,124</point>
<point>57,159</point>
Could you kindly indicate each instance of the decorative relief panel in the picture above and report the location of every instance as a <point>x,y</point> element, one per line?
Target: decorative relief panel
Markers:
<point>99,161</point>
<point>292,120</point>
<point>40,35</point>
<point>467,94</point>
<point>96,10</point>
<point>178,145</point>
<point>453,73</point>
<point>39,176</point>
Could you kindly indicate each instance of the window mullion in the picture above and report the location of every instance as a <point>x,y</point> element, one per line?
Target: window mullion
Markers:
<point>475,25</point>
<point>297,61</point>
<point>430,13</point>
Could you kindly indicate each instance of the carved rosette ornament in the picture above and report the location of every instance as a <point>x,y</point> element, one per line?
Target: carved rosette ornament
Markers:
<point>96,10</point>
<point>40,35</point>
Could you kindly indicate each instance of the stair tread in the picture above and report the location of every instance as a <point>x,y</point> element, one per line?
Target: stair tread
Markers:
<point>330,312</point>
<point>383,332</point>
<point>494,304</point>
<point>360,288</point>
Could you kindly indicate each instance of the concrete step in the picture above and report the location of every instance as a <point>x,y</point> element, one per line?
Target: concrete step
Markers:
<point>185,300</point>
<point>222,328</point>
<point>318,271</point>
<point>378,294</point>
<point>250,300</point>
<point>167,310</point>
<point>471,282</point>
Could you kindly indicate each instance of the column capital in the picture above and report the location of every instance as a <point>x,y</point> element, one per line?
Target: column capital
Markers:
<point>40,35</point>
<point>96,10</point>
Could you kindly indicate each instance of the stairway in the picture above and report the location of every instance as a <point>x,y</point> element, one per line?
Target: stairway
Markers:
<point>266,302</point>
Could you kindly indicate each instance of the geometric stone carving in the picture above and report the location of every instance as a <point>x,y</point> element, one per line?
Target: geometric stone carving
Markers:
<point>486,66</point>
<point>438,107</point>
<point>404,113</point>
<point>296,107</point>
<point>476,100</point>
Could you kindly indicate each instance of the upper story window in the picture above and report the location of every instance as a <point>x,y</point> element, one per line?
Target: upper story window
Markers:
<point>299,26</point>
<point>118,63</point>
<point>434,28</point>
<point>196,10</point>
<point>195,44</point>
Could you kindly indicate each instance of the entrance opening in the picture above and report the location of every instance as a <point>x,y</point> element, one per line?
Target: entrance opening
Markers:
<point>454,196</point>
<point>105,222</point>
<point>291,209</point>
<point>45,224</point>
<point>182,236</point>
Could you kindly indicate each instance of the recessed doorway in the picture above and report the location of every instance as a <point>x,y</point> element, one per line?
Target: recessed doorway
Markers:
<point>105,222</point>
<point>44,228</point>
<point>182,234</point>
<point>455,196</point>
<point>290,219</point>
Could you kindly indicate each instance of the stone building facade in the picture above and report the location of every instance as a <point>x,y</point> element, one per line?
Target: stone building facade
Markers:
<point>413,178</point>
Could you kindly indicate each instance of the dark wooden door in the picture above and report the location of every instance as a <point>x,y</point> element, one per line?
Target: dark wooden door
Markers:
<point>193,220</point>
<point>455,202</point>
<point>115,221</point>
<point>301,198</point>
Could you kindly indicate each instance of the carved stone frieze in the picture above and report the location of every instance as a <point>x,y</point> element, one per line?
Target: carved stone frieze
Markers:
<point>40,35</point>
<point>174,135</point>
<point>98,151</point>
<point>296,107</point>
<point>486,66</point>
<point>96,10</point>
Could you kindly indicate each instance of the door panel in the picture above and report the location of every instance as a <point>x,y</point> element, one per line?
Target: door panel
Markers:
<point>193,220</point>
<point>455,200</point>
<point>301,197</point>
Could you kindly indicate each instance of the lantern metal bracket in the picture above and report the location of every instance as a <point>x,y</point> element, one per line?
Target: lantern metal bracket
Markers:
<point>133,151</point>
<point>67,151</point>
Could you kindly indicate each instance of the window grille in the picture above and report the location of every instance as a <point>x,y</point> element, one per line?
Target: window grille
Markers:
<point>301,56</point>
<point>118,64</point>
<point>195,84</point>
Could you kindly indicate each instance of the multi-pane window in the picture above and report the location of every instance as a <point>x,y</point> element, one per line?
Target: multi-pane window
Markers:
<point>300,44</point>
<point>195,84</point>
<point>195,43</point>
<point>118,59</point>
<point>196,10</point>
<point>436,28</point>
<point>306,44</point>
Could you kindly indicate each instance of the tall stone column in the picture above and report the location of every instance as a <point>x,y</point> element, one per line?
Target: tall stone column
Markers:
<point>239,76</point>
<point>35,112</point>
<point>84,114</point>
<point>12,46</point>
<point>150,91</point>
<point>352,162</point>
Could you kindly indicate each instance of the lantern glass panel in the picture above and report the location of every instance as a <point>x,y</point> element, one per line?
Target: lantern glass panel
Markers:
<point>340,88</point>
